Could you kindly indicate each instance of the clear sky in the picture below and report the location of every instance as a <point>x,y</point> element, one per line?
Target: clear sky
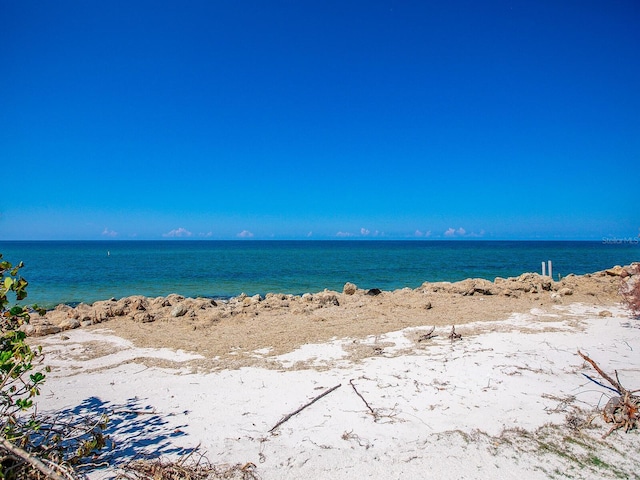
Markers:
<point>226,119</point>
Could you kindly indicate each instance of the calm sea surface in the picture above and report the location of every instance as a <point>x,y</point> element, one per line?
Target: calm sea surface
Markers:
<point>69,272</point>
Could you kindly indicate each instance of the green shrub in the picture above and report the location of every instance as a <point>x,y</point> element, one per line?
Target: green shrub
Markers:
<point>32,446</point>
<point>19,383</point>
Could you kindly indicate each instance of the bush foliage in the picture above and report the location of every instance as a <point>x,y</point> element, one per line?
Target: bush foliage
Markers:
<point>32,446</point>
<point>19,384</point>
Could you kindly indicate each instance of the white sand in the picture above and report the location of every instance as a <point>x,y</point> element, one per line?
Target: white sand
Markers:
<point>493,404</point>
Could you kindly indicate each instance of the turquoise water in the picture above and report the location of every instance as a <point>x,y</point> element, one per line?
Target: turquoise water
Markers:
<point>69,272</point>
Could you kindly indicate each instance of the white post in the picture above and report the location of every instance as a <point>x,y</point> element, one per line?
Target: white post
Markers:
<point>544,266</point>
<point>550,271</point>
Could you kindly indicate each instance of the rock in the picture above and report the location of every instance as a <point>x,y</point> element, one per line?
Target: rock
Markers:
<point>374,291</point>
<point>616,271</point>
<point>605,313</point>
<point>565,291</point>
<point>143,317</point>
<point>139,303</point>
<point>484,287</point>
<point>179,310</point>
<point>251,300</point>
<point>69,324</point>
<point>307,297</point>
<point>276,296</point>
<point>45,328</point>
<point>349,288</point>
<point>325,299</point>
<point>159,302</point>
<point>546,285</point>
<point>556,297</point>
<point>62,308</point>
<point>174,299</point>
<point>204,303</point>
<point>428,306</point>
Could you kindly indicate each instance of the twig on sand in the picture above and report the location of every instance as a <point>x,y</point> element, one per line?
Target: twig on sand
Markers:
<point>427,336</point>
<point>615,384</point>
<point>453,335</point>
<point>315,399</point>
<point>375,415</point>
<point>136,412</point>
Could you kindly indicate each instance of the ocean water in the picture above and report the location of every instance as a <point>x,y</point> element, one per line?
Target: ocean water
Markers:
<point>86,271</point>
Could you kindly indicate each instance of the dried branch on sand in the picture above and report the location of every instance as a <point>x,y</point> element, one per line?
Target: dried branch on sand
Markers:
<point>287,417</point>
<point>453,335</point>
<point>624,410</point>
<point>164,470</point>
<point>22,460</point>
<point>427,336</point>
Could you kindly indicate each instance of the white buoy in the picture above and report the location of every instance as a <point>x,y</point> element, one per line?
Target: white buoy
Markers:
<point>550,270</point>
<point>544,269</point>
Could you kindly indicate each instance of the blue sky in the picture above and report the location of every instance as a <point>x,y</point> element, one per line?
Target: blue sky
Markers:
<point>319,119</point>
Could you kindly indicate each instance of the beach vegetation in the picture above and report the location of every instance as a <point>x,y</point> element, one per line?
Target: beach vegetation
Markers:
<point>19,383</point>
<point>32,446</point>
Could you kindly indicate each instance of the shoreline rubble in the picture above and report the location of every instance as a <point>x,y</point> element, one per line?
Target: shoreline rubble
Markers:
<point>602,286</point>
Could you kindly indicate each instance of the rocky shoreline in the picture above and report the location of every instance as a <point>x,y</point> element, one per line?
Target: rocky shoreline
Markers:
<point>529,288</point>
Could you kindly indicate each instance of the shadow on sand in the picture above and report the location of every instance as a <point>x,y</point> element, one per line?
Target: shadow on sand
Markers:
<point>134,430</point>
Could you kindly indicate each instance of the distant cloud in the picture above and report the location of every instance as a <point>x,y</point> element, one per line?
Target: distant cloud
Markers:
<point>452,232</point>
<point>365,232</point>
<point>208,234</point>
<point>245,234</point>
<point>178,232</point>
<point>461,232</point>
<point>419,233</point>
<point>310,234</point>
<point>344,234</point>
<point>109,233</point>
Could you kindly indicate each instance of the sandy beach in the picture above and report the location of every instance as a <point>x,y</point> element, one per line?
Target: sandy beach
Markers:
<point>507,399</point>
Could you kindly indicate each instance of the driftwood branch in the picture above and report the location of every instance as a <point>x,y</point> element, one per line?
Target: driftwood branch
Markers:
<point>287,417</point>
<point>362,398</point>
<point>623,411</point>
<point>619,388</point>
<point>30,459</point>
